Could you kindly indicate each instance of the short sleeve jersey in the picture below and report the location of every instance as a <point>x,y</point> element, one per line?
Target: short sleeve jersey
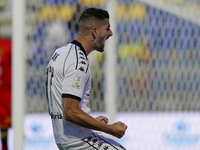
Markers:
<point>68,76</point>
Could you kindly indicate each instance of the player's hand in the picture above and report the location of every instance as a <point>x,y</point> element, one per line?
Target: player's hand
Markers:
<point>102,119</point>
<point>118,129</point>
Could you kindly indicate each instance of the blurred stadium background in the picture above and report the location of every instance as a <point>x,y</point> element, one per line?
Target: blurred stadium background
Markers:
<point>157,73</point>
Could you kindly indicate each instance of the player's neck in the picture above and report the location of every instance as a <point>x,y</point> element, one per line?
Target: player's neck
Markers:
<point>86,42</point>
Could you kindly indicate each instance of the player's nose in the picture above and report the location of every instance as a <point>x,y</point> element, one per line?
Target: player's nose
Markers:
<point>110,33</point>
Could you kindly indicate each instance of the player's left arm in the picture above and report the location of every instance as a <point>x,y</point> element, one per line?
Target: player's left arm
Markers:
<point>74,114</point>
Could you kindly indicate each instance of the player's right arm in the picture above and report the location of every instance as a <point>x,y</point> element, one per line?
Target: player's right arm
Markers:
<point>74,114</point>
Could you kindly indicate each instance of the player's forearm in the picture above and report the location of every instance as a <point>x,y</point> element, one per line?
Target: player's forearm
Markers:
<point>81,118</point>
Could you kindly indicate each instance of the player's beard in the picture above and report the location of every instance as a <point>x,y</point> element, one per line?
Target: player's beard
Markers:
<point>100,44</point>
<point>100,49</point>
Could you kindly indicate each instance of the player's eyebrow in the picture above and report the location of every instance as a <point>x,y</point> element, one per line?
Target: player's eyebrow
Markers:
<point>108,26</point>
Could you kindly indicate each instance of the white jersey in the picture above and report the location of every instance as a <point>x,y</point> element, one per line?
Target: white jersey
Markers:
<point>68,76</point>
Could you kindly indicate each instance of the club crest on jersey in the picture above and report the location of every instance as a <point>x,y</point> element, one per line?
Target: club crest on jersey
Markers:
<point>77,82</point>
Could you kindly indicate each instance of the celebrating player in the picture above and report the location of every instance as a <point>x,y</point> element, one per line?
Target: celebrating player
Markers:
<point>68,85</point>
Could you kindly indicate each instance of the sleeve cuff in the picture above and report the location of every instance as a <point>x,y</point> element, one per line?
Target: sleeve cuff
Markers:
<point>71,96</point>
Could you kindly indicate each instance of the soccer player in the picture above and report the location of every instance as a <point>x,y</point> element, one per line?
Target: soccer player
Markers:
<point>5,90</point>
<point>68,85</point>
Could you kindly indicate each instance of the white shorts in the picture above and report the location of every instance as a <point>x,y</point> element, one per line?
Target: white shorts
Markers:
<point>92,142</point>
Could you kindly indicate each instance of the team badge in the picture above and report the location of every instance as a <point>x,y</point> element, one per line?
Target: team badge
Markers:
<point>76,82</point>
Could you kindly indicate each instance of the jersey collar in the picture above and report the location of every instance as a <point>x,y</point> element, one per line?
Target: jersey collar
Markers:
<point>79,45</point>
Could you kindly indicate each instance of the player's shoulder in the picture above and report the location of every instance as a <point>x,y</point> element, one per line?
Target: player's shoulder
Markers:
<point>64,48</point>
<point>74,54</point>
<point>70,49</point>
<point>63,52</point>
<point>80,57</point>
<point>75,49</point>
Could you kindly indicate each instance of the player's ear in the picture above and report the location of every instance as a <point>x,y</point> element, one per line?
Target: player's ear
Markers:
<point>94,32</point>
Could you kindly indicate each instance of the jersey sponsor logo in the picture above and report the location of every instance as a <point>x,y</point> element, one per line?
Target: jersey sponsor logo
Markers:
<point>82,66</point>
<point>82,62</point>
<point>81,53</point>
<point>77,82</point>
<point>81,69</point>
<point>56,116</point>
<point>81,57</point>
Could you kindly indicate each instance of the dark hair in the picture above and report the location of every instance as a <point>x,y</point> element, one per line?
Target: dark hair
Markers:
<point>91,17</point>
<point>94,12</point>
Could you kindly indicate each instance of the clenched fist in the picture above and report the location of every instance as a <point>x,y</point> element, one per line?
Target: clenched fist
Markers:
<point>118,129</point>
